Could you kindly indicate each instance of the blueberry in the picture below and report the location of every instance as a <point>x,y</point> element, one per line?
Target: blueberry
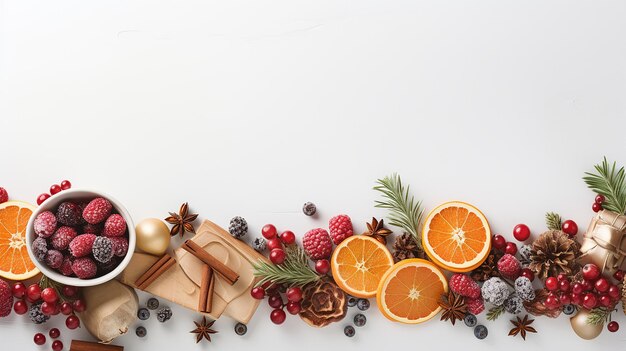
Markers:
<point>153,303</point>
<point>141,332</point>
<point>569,309</point>
<point>363,304</point>
<point>360,320</point>
<point>480,331</point>
<point>143,314</point>
<point>241,329</point>
<point>349,331</point>
<point>351,301</point>
<point>470,320</point>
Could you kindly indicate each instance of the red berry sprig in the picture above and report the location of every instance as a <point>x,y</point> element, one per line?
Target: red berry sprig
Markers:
<point>597,205</point>
<point>54,189</point>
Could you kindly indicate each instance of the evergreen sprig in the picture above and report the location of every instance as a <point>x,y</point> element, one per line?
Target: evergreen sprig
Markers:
<point>609,181</point>
<point>495,312</point>
<point>294,271</point>
<point>404,211</point>
<point>599,315</point>
<point>553,221</point>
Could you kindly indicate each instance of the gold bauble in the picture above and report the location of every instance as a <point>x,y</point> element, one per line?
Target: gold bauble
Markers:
<point>582,328</point>
<point>153,236</point>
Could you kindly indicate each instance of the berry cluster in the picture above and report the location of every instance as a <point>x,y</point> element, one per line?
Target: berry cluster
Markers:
<point>83,239</point>
<point>57,345</point>
<point>359,319</point>
<point>275,242</point>
<point>275,300</point>
<point>163,315</point>
<point>54,189</point>
<point>318,243</point>
<point>597,204</point>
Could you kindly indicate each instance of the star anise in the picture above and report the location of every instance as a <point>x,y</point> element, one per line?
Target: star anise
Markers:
<point>377,230</point>
<point>203,330</point>
<point>522,326</point>
<point>182,221</point>
<point>452,307</point>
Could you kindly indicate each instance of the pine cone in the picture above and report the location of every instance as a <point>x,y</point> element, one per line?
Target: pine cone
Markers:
<point>489,268</point>
<point>537,308</point>
<point>553,253</point>
<point>323,303</point>
<point>405,247</point>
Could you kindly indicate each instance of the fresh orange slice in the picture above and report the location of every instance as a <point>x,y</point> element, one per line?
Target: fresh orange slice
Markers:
<point>456,236</point>
<point>358,264</point>
<point>15,264</point>
<point>410,291</point>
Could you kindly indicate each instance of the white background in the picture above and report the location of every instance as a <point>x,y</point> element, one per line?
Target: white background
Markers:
<point>251,108</point>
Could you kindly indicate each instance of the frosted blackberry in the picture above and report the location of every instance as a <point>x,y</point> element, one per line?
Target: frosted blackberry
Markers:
<point>54,259</point>
<point>495,291</point>
<point>164,314</point>
<point>480,332</point>
<point>40,249</point>
<point>349,331</point>
<point>143,314</point>
<point>569,309</point>
<point>470,320</point>
<point>36,315</point>
<point>524,289</point>
<point>259,244</point>
<point>153,303</point>
<point>524,254</point>
<point>241,329</point>
<point>363,304</point>
<point>309,208</point>
<point>69,214</point>
<point>360,320</point>
<point>102,249</point>
<point>238,227</point>
<point>141,332</point>
<point>513,305</point>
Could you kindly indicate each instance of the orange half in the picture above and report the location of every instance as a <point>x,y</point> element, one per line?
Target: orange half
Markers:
<point>359,263</point>
<point>15,264</point>
<point>410,291</point>
<point>456,236</point>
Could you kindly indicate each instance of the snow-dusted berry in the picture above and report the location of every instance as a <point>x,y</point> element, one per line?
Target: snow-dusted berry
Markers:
<point>66,267</point>
<point>35,314</point>
<point>475,306</point>
<point>92,229</point>
<point>81,245</point>
<point>463,285</point>
<point>6,298</point>
<point>62,237</point>
<point>45,224</point>
<point>102,249</point>
<point>97,210</point>
<point>54,259</point>
<point>119,245</point>
<point>259,244</point>
<point>114,226</point>
<point>513,304</point>
<point>69,213</point>
<point>524,254</point>
<point>84,268</point>
<point>238,227</point>
<point>524,289</point>
<point>509,266</point>
<point>40,249</point>
<point>495,291</point>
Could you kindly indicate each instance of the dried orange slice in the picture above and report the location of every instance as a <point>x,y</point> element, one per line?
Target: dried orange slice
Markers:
<point>358,264</point>
<point>456,236</point>
<point>15,264</point>
<point>410,291</point>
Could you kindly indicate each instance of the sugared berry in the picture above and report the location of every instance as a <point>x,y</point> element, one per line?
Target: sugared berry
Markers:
<point>363,304</point>
<point>241,329</point>
<point>322,266</point>
<point>570,228</point>
<point>349,331</point>
<point>54,333</point>
<point>114,226</point>
<point>82,245</point>
<point>84,268</point>
<point>69,214</point>
<point>97,210</point>
<point>54,259</point>
<point>511,248</point>
<point>39,339</point>
<point>45,224</point>
<point>278,316</point>
<point>359,320</point>
<point>102,249</point>
<point>470,320</point>
<point>521,232</point>
<point>268,231</point>
<point>480,332</point>
<point>141,331</point>
<point>591,272</point>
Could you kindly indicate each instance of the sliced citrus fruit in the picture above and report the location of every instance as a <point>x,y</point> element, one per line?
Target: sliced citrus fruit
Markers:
<point>410,291</point>
<point>358,264</point>
<point>15,264</point>
<point>456,236</point>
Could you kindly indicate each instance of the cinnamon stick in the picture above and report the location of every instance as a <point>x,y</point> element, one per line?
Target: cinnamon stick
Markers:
<point>79,345</point>
<point>155,271</point>
<point>207,276</point>
<point>209,296</point>
<point>195,249</point>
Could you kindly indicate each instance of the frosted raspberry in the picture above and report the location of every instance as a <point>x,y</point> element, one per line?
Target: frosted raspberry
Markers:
<point>115,225</point>
<point>40,249</point>
<point>317,244</point>
<point>69,213</point>
<point>84,268</point>
<point>45,224</point>
<point>102,249</point>
<point>54,259</point>
<point>464,286</point>
<point>475,306</point>
<point>97,210</point>
<point>92,228</point>
<point>62,237</point>
<point>66,267</point>
<point>340,228</point>
<point>6,299</point>
<point>509,266</point>
<point>4,196</point>
<point>119,246</point>
<point>81,245</point>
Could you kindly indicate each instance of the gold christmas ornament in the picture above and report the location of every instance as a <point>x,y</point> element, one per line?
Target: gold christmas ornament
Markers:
<point>153,236</point>
<point>582,328</point>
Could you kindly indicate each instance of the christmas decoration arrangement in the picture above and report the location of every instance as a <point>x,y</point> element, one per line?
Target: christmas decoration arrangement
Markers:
<point>79,256</point>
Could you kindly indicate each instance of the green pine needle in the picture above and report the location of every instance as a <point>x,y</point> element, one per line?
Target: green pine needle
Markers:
<point>609,182</point>
<point>495,312</point>
<point>553,221</point>
<point>294,271</point>
<point>404,211</point>
<point>599,315</point>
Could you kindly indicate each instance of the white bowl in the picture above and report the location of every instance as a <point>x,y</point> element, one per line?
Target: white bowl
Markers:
<point>76,195</point>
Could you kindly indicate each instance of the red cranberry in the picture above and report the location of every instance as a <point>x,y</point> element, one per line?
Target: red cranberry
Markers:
<point>70,291</point>
<point>576,298</point>
<point>39,339</point>
<point>602,285</point>
<point>293,307</point>
<point>511,248</point>
<point>528,273</point>
<point>72,322</point>
<point>66,184</point>
<point>288,237</point>
<point>521,232</point>
<point>42,197</point>
<point>599,199</point>
<point>33,292</point>
<point>605,301</point>
<point>561,277</point>
<point>564,285</point>
<point>54,333</point>
<point>20,307</point>
<point>278,316</point>
<point>612,326</point>
<point>269,231</point>
<point>19,290</point>
<point>48,308</point>
<point>591,272</point>
<point>274,244</point>
<point>66,308</point>
<point>277,256</point>
<point>552,283</point>
<point>79,305</point>
<point>54,189</point>
<point>275,301</point>
<point>589,301</point>
<point>596,207</point>
<point>49,295</point>
<point>577,288</point>
<point>565,299</point>
<point>614,292</point>
<point>570,228</point>
<point>552,302</point>
<point>499,242</point>
<point>258,293</point>
<point>619,275</point>
<point>57,345</point>
<point>294,294</point>
<point>322,266</point>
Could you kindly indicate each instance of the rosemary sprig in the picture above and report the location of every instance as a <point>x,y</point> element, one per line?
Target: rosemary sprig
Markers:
<point>404,211</point>
<point>294,271</point>
<point>609,182</point>
<point>495,312</point>
<point>599,315</point>
<point>553,221</point>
